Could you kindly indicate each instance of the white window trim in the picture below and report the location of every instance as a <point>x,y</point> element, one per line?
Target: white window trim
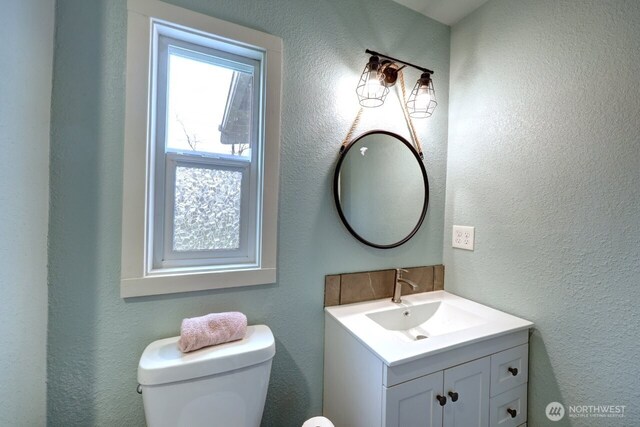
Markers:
<point>161,206</point>
<point>136,280</point>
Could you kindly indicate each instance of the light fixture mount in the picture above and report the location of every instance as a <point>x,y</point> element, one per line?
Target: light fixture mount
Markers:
<point>396,60</point>
<point>390,70</point>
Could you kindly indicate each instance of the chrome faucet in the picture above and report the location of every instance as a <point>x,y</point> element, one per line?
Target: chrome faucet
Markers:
<point>397,285</point>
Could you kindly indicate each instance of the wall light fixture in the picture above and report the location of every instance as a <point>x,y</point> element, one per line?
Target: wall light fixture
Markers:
<point>379,75</point>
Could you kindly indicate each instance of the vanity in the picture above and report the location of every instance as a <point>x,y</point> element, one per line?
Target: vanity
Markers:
<point>433,360</point>
<point>429,359</point>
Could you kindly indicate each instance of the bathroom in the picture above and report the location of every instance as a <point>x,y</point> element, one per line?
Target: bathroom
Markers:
<point>535,142</point>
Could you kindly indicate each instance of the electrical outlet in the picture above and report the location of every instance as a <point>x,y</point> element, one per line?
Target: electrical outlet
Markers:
<point>463,237</point>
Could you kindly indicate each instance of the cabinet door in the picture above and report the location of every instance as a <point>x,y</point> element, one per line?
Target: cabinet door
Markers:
<point>414,403</point>
<point>467,390</point>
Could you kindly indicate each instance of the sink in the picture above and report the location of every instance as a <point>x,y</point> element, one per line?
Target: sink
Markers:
<point>423,324</point>
<point>421,321</point>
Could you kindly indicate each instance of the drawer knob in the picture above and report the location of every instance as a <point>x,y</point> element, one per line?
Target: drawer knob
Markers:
<point>514,371</point>
<point>512,412</point>
<point>454,396</point>
<point>442,400</point>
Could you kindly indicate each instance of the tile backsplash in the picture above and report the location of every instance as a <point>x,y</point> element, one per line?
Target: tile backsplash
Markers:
<point>369,285</point>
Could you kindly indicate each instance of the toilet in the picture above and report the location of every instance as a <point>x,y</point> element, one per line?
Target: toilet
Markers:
<point>224,385</point>
<point>220,386</point>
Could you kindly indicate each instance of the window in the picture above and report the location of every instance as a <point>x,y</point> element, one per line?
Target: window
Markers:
<point>201,152</point>
<point>207,152</point>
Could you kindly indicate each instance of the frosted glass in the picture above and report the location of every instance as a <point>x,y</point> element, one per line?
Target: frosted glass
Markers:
<point>207,209</point>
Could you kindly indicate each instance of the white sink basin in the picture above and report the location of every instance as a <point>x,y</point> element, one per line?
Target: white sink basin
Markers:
<point>426,320</point>
<point>423,324</point>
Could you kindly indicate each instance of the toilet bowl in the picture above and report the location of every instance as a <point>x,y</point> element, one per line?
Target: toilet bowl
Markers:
<point>220,386</point>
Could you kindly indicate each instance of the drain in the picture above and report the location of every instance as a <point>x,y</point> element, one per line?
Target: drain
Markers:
<point>421,337</point>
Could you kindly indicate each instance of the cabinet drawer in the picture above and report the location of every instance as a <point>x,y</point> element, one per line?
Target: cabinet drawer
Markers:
<point>509,409</point>
<point>509,369</point>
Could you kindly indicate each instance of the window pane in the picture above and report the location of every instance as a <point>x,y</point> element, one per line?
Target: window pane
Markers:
<point>207,209</point>
<point>209,105</point>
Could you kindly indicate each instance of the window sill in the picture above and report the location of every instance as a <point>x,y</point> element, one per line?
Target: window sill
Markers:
<point>174,283</point>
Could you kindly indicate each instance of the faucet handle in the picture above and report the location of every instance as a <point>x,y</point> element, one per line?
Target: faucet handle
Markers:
<point>398,274</point>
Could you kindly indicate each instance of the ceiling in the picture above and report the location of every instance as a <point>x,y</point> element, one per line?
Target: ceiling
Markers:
<point>446,11</point>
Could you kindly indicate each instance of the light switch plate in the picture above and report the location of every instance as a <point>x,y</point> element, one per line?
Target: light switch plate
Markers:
<point>463,237</point>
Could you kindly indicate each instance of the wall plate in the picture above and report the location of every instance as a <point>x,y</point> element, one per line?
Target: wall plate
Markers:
<point>463,237</point>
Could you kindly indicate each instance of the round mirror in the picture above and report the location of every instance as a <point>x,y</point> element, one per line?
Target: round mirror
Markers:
<point>381,189</point>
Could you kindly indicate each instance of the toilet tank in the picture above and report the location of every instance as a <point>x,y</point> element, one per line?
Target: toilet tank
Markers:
<point>220,386</point>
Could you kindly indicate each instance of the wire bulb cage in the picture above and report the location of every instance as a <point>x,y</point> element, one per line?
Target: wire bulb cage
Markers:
<point>372,90</point>
<point>422,100</point>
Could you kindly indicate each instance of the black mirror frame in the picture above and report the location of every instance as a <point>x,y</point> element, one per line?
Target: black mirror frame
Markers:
<point>336,199</point>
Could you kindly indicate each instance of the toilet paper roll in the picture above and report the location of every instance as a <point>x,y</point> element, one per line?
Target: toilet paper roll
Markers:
<point>318,422</point>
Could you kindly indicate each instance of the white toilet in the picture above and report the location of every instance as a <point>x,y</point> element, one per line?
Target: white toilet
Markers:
<point>225,385</point>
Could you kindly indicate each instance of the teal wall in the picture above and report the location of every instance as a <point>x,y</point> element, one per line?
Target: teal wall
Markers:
<point>544,159</point>
<point>26,57</point>
<point>95,337</point>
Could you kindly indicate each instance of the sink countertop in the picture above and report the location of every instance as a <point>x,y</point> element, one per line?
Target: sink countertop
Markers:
<point>393,350</point>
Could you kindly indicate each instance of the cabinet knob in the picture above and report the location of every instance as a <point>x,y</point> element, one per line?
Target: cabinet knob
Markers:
<point>514,371</point>
<point>442,400</point>
<point>454,396</point>
<point>512,412</point>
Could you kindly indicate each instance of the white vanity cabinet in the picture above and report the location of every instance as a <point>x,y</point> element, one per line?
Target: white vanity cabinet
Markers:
<point>480,384</point>
<point>457,396</point>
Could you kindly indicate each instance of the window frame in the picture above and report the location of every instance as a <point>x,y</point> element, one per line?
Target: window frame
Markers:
<point>141,274</point>
<point>161,202</point>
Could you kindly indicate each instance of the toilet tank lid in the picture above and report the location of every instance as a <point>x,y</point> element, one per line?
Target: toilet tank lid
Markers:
<point>162,362</point>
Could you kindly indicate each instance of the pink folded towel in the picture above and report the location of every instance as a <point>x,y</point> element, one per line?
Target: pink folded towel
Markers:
<point>212,329</point>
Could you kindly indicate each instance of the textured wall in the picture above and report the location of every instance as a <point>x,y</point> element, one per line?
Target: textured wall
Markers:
<point>544,159</point>
<point>26,31</point>
<point>95,337</point>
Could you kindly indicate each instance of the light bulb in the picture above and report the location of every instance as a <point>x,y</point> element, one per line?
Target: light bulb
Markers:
<point>423,97</point>
<point>374,85</point>
<point>372,89</point>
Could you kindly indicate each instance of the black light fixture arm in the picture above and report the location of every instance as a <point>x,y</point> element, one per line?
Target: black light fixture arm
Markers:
<point>424,70</point>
